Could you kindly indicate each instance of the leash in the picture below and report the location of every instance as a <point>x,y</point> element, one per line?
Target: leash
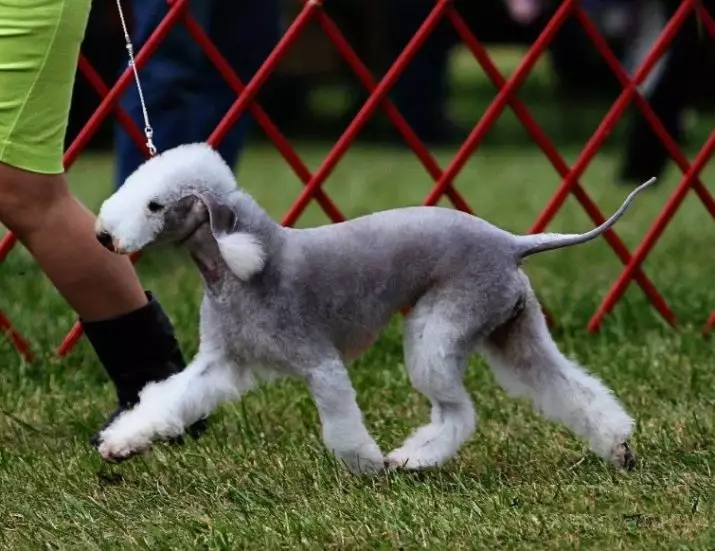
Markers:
<point>148,131</point>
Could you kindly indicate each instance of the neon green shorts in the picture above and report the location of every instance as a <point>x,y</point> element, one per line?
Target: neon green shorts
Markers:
<point>39,47</point>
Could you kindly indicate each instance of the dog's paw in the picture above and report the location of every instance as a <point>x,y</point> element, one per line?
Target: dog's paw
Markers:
<point>359,465</point>
<point>365,461</point>
<point>623,457</point>
<point>116,450</point>
<point>411,460</point>
<point>117,454</point>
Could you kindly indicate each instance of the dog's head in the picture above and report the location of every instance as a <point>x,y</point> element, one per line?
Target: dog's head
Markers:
<point>168,198</point>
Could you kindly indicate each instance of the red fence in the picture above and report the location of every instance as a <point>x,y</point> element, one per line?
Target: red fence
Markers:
<point>443,177</point>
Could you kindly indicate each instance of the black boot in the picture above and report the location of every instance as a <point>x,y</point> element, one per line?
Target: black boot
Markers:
<point>135,349</point>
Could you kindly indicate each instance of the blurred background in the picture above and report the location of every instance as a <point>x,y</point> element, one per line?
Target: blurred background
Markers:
<point>313,95</point>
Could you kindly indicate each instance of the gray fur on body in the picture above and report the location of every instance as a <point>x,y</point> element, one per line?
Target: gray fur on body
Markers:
<point>314,299</point>
<point>338,285</point>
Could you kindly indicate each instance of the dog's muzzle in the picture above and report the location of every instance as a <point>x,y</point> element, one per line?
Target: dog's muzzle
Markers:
<point>105,239</point>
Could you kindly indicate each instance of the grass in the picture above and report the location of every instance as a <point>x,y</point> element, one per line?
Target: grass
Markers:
<point>260,478</point>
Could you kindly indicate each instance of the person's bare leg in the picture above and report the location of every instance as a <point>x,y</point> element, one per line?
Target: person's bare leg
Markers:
<point>59,233</point>
<point>127,328</point>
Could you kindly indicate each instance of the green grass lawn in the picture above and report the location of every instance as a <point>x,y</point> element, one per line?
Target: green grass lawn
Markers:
<point>261,479</point>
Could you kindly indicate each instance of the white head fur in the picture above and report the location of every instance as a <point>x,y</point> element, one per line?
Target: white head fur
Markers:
<point>133,214</point>
<point>137,213</point>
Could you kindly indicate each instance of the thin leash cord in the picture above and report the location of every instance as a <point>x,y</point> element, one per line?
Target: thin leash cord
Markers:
<point>148,131</point>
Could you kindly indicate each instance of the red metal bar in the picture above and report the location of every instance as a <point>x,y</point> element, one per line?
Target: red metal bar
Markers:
<point>542,140</point>
<point>16,339</point>
<point>709,324</point>
<point>368,81</point>
<point>500,101</point>
<point>287,40</point>
<point>611,118</point>
<point>260,116</point>
<point>705,18</point>
<point>6,245</point>
<point>655,123</point>
<point>96,81</point>
<point>365,112</point>
<point>669,143</point>
<point>606,126</point>
<point>654,232</point>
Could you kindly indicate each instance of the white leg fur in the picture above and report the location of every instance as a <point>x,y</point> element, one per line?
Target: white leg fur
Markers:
<point>436,367</point>
<point>527,363</point>
<point>167,407</point>
<point>344,431</point>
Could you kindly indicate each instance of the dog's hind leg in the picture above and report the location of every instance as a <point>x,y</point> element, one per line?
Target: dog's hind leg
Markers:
<point>436,353</point>
<point>344,431</point>
<point>167,407</point>
<point>527,363</point>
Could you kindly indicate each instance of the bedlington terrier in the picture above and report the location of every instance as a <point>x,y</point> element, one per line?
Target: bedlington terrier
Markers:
<point>280,301</point>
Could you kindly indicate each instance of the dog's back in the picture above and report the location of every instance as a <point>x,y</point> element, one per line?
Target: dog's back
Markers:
<point>350,278</point>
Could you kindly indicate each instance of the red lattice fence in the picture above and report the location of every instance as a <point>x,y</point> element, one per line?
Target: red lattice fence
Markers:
<point>442,176</point>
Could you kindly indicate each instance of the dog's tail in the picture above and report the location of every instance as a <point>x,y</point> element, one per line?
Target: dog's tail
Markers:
<point>540,242</point>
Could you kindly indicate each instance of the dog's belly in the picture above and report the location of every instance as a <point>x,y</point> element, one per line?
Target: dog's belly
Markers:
<point>357,346</point>
<point>355,336</point>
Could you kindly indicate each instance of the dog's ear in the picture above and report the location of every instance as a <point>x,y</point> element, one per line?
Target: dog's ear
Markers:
<point>243,253</point>
<point>221,216</point>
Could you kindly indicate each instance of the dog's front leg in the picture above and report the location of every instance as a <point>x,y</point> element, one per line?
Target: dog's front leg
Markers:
<point>167,407</point>
<point>344,431</point>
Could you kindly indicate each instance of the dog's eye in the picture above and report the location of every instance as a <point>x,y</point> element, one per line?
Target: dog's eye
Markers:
<point>153,206</point>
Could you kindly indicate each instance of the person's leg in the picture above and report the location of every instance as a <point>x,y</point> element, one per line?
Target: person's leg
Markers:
<point>185,95</point>
<point>668,94</point>
<point>37,66</point>
<point>245,33</point>
<point>169,81</point>
<point>178,99</point>
<point>58,232</point>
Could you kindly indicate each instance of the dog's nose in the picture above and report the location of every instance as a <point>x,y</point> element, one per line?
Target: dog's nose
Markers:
<point>105,239</point>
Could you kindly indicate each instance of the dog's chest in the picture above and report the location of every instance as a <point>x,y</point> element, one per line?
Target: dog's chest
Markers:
<point>251,336</point>
<point>249,342</point>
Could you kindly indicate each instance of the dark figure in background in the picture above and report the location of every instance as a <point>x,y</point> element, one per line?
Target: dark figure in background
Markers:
<point>421,90</point>
<point>185,95</point>
<point>669,95</point>
<point>671,86</point>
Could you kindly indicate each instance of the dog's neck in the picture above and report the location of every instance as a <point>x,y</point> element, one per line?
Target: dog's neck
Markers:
<point>204,252</point>
<point>250,219</point>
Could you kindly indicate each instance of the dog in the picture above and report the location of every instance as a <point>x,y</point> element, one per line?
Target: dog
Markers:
<point>284,302</point>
